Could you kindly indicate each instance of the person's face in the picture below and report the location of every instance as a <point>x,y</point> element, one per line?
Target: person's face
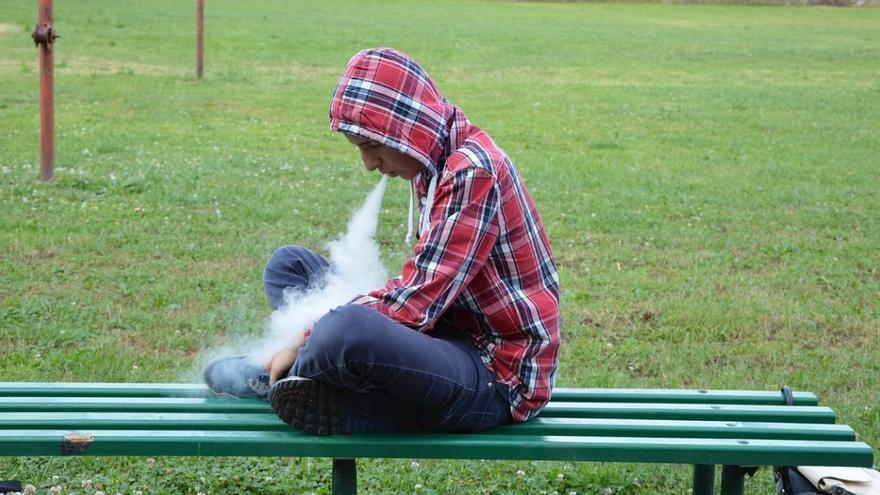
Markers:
<point>386,160</point>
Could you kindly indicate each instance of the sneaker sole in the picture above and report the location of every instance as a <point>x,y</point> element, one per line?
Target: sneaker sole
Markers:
<point>306,405</point>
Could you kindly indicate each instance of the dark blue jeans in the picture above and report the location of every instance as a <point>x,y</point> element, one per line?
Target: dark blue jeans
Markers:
<point>395,376</point>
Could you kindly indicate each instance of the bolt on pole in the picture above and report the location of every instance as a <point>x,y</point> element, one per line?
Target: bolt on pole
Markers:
<point>200,38</point>
<point>44,36</point>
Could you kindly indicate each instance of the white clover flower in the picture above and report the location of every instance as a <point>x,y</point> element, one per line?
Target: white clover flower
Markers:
<point>86,484</point>
<point>29,489</point>
<point>520,473</point>
<point>414,464</point>
<point>418,486</point>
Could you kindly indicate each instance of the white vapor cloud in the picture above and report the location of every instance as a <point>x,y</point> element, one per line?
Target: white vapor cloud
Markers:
<point>355,268</point>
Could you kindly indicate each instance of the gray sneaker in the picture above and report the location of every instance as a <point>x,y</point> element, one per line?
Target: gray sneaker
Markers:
<point>237,377</point>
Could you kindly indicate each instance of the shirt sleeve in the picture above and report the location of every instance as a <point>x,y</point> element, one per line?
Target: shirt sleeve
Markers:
<point>464,229</point>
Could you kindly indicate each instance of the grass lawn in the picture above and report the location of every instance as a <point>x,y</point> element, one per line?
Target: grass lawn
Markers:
<point>708,176</point>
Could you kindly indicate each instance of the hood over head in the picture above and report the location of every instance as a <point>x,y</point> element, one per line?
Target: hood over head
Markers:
<point>386,97</point>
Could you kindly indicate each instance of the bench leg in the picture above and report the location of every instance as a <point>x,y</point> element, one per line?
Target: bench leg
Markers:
<point>704,479</point>
<point>344,477</point>
<point>732,480</point>
<point>10,486</point>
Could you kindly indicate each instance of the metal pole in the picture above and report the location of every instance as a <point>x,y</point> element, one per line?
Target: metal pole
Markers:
<point>200,38</point>
<point>732,480</point>
<point>344,477</point>
<point>704,479</point>
<point>44,36</point>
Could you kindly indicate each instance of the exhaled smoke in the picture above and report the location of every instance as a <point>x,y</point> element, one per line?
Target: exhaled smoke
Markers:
<point>355,268</point>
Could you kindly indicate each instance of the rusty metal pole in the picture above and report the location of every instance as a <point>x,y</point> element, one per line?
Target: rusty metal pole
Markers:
<point>44,36</point>
<point>200,38</point>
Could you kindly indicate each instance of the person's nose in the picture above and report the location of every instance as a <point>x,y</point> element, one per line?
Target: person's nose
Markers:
<point>371,162</point>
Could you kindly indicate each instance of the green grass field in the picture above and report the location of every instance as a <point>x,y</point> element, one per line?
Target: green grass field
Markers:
<point>708,177</point>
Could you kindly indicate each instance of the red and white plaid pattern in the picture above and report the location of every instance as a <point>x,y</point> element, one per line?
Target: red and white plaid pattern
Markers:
<point>485,265</point>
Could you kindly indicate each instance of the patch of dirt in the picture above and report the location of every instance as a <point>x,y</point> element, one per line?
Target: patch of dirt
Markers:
<point>628,320</point>
<point>298,71</point>
<point>6,28</point>
<point>312,71</point>
<point>564,76</point>
<point>589,320</point>
<point>88,65</point>
<point>33,256</point>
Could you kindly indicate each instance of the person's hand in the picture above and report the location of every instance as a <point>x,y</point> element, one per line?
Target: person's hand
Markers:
<point>279,364</point>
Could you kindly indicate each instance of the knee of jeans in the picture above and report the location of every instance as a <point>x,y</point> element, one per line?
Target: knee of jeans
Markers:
<point>343,330</point>
<point>285,268</point>
<point>282,257</point>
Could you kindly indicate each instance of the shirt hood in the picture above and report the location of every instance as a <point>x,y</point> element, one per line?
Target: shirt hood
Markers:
<point>386,97</point>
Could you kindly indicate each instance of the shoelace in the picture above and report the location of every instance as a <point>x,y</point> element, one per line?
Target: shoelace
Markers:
<point>259,385</point>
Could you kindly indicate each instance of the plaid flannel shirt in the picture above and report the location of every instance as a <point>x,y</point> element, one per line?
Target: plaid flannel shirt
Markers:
<point>484,266</point>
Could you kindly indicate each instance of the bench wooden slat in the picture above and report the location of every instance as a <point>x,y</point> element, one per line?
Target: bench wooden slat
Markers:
<point>755,397</point>
<point>627,410</point>
<point>788,414</point>
<point>536,427</point>
<point>142,421</point>
<point>130,404</point>
<point>66,389</point>
<point>679,429</point>
<point>440,446</point>
<point>633,410</point>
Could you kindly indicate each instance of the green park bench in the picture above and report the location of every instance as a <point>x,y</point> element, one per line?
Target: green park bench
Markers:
<point>737,430</point>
